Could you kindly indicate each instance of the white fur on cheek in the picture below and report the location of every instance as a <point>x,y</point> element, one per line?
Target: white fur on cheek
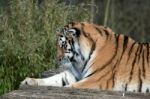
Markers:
<point>61,41</point>
<point>63,38</point>
<point>69,55</point>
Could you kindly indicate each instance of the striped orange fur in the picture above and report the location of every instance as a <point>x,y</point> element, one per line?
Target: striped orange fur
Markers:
<point>110,61</point>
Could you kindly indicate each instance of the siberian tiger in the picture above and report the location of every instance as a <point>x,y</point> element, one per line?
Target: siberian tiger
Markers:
<point>97,58</point>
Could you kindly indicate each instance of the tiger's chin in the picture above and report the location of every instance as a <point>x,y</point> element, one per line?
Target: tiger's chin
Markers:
<point>66,63</point>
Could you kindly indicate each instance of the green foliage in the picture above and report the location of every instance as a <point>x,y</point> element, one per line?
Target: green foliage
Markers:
<point>27,36</point>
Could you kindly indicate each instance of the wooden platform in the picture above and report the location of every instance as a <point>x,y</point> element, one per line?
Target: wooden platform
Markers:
<point>34,92</point>
<point>39,92</point>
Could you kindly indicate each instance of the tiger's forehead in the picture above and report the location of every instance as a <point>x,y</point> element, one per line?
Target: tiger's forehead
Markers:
<point>64,30</point>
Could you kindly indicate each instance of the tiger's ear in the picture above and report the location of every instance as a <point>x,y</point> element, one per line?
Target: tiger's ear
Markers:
<point>72,23</point>
<point>74,32</point>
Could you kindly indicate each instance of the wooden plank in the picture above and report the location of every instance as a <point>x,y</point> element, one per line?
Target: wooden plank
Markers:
<point>41,92</point>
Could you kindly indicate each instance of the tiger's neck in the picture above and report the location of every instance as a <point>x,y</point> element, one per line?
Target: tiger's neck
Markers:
<point>101,55</point>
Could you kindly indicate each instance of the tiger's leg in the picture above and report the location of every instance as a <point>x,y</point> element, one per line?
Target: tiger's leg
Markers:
<point>62,79</point>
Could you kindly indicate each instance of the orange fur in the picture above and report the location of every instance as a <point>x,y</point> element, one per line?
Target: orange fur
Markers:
<point>117,61</point>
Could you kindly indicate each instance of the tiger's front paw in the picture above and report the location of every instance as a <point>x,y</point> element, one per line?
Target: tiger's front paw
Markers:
<point>29,81</point>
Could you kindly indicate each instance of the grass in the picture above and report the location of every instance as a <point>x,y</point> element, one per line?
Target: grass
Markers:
<point>27,36</point>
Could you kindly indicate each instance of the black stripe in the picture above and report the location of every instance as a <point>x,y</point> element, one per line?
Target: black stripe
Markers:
<point>77,79</point>
<point>106,31</point>
<point>126,87</point>
<point>114,73</point>
<point>104,75</point>
<point>100,77</point>
<point>140,81</point>
<point>130,51</point>
<point>139,54</point>
<point>124,47</point>
<point>117,40</point>
<point>133,64</point>
<point>90,74</point>
<point>126,38</point>
<point>100,32</point>
<point>143,64</point>
<point>147,90</point>
<point>113,78</point>
<point>106,34</point>
<point>147,53</point>
<point>63,82</point>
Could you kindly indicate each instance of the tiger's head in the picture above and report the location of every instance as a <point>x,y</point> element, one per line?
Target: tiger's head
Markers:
<point>77,41</point>
<point>68,51</point>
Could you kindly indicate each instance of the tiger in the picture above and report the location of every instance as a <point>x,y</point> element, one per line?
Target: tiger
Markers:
<point>96,57</point>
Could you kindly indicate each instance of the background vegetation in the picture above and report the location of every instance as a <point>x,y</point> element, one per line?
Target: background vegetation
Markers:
<point>27,30</point>
<point>27,37</point>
